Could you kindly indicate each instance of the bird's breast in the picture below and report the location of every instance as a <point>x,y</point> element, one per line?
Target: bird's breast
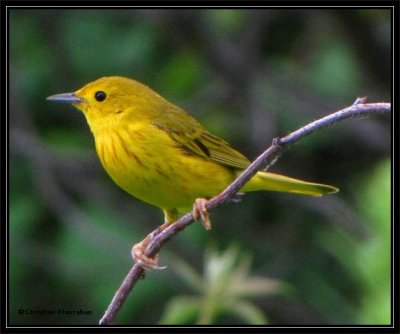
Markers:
<point>147,163</point>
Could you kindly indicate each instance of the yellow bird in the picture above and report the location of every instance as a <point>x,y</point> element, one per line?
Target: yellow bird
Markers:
<point>158,153</point>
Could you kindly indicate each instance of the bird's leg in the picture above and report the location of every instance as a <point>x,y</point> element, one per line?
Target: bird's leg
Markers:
<point>138,250</point>
<point>199,209</point>
<point>139,256</point>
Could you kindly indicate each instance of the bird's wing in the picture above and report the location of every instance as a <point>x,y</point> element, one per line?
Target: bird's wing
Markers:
<point>221,152</point>
<point>193,139</point>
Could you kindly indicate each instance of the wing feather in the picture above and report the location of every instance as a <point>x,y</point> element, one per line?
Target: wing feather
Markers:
<point>192,138</point>
<point>208,146</point>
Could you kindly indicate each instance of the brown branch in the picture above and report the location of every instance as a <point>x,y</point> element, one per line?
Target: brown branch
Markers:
<point>265,160</point>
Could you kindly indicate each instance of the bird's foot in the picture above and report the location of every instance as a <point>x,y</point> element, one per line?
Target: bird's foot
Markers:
<point>199,210</point>
<point>138,254</point>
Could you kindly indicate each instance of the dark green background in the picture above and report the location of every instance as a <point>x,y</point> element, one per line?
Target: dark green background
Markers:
<point>248,76</point>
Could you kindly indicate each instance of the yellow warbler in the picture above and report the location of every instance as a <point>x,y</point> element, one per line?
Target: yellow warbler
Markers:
<point>158,153</point>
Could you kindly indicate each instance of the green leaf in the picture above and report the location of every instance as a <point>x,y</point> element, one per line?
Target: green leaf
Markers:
<point>181,310</point>
<point>373,258</point>
<point>248,312</point>
<point>187,273</point>
<point>256,286</point>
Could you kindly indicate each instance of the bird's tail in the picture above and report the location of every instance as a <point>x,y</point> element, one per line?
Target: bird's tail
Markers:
<point>276,182</point>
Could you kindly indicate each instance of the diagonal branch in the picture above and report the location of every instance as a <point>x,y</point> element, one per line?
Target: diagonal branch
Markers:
<point>264,161</point>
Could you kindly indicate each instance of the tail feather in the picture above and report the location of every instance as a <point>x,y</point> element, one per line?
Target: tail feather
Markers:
<point>276,182</point>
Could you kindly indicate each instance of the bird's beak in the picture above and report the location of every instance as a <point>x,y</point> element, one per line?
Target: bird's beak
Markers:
<point>67,97</point>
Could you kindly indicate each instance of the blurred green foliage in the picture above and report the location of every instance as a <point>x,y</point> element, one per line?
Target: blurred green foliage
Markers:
<point>248,76</point>
<point>223,290</point>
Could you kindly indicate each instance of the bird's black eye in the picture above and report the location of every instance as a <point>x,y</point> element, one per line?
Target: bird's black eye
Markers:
<point>100,96</point>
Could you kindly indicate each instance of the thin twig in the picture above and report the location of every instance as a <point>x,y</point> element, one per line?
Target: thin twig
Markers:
<point>265,160</point>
